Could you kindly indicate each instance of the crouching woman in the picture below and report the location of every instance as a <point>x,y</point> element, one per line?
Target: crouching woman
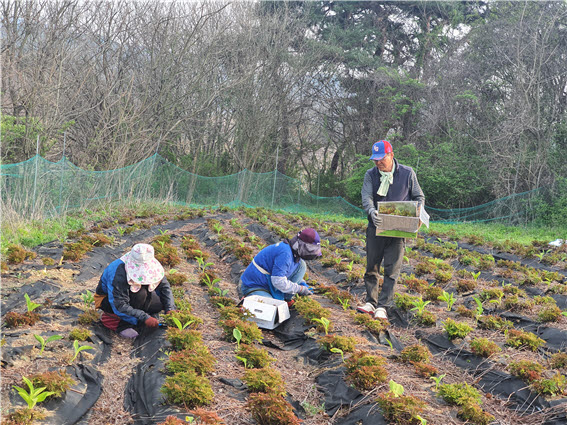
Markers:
<point>132,290</point>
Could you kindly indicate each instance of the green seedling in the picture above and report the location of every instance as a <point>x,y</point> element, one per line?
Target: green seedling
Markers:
<point>419,305</point>
<point>479,308</point>
<point>390,344</point>
<point>190,419</point>
<point>243,360</point>
<point>202,265</point>
<point>178,323</point>
<point>35,395</point>
<point>162,244</point>
<point>449,298</point>
<point>325,322</point>
<point>221,292</point>
<point>396,389</point>
<point>406,259</point>
<point>350,265</point>
<point>337,260</point>
<point>564,313</point>
<point>475,276</point>
<point>173,271</point>
<point>218,228</point>
<point>121,230</point>
<point>499,300</point>
<point>30,304</point>
<point>79,349</point>
<point>339,351</point>
<point>210,283</point>
<point>540,255</point>
<point>88,298</point>
<point>344,303</point>
<point>238,337</point>
<point>437,380</point>
<point>162,232</point>
<point>43,341</point>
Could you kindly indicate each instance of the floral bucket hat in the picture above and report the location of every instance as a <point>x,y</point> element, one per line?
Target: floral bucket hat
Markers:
<point>142,268</point>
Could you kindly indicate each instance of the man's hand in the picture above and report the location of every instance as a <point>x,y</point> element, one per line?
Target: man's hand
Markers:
<point>305,290</point>
<point>376,219</point>
<point>151,322</point>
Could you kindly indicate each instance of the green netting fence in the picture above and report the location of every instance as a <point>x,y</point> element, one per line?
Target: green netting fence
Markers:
<point>40,187</point>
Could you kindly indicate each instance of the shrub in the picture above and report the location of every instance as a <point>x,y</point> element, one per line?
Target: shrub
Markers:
<point>443,276</point>
<point>401,410</point>
<point>219,301</point>
<point>432,293</point>
<point>465,312</point>
<point>344,343</point>
<point>16,254</point>
<point>249,330</point>
<point>310,309</point>
<point>473,413</point>
<point>255,357</point>
<point>525,369</point>
<point>206,416</point>
<point>491,294</point>
<point>514,303</point>
<point>494,323</point>
<point>57,382</point>
<point>184,316</point>
<point>456,329</point>
<point>24,416</point>
<point>516,338</point>
<point>549,314</point>
<point>415,284</point>
<point>558,361</point>
<point>424,369</point>
<point>13,319</point>
<point>424,267</point>
<point>187,389</point>
<point>364,370</point>
<point>182,339</point>
<point>404,301</point>
<point>264,380</point>
<point>89,316</point>
<point>459,394</point>
<point>415,353</point>
<point>176,279</point>
<point>79,334</point>
<point>552,386</point>
<point>373,325</point>
<point>484,347</point>
<point>198,359</point>
<point>426,318</point>
<point>271,409</point>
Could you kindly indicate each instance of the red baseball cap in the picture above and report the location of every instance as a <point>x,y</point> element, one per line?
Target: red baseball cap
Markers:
<point>380,149</point>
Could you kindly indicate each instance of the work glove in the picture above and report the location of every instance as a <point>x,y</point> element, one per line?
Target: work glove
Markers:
<point>151,322</point>
<point>376,219</point>
<point>305,290</point>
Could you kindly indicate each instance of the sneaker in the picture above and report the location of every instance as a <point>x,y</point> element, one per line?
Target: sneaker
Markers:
<point>366,308</point>
<point>128,333</point>
<point>380,313</point>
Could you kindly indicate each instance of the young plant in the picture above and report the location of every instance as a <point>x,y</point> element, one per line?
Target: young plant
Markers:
<point>449,298</point>
<point>456,329</point>
<point>202,265</point>
<point>43,341</point>
<point>344,303</point>
<point>479,309</point>
<point>475,276</point>
<point>179,324</point>
<point>326,323</point>
<point>79,349</point>
<point>419,305</point>
<point>35,395</point>
<point>237,335</point>
<point>339,351</point>
<point>30,304</point>
<point>88,299</point>
<point>437,380</point>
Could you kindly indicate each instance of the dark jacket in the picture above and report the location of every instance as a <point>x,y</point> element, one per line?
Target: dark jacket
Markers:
<point>114,285</point>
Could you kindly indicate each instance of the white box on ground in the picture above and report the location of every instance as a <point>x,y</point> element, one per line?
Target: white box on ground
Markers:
<point>268,313</point>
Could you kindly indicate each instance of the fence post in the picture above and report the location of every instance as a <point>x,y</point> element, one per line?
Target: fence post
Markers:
<point>61,172</point>
<point>275,175</point>
<point>35,177</point>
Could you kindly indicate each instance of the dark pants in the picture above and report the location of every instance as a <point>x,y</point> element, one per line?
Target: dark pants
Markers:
<point>141,300</point>
<point>391,251</point>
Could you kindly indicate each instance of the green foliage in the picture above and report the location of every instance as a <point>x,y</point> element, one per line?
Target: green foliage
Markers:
<point>187,389</point>
<point>456,329</point>
<point>264,380</point>
<point>184,338</point>
<point>271,409</point>
<point>459,394</point>
<point>79,334</point>
<point>527,370</point>
<point>34,395</point>
<point>56,382</point>
<point>473,413</point>
<point>415,353</point>
<point>400,409</point>
<point>197,359</point>
<point>43,341</point>
<point>255,357</point>
<point>78,349</point>
<point>365,370</point>
<point>344,343</point>
<point>484,347</point>
<point>516,338</point>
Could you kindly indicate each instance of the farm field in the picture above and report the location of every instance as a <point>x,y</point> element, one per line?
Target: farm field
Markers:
<point>478,334</point>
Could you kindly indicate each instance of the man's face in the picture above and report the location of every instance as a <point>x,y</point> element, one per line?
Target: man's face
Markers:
<point>386,164</point>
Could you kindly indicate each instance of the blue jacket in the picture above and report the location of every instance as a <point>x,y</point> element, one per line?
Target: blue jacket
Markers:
<point>114,284</point>
<point>275,259</point>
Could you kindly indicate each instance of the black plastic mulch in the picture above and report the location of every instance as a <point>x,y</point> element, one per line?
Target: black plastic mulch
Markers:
<point>143,398</point>
<point>555,339</point>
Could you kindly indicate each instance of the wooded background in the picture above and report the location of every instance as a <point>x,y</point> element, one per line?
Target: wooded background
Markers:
<point>473,95</point>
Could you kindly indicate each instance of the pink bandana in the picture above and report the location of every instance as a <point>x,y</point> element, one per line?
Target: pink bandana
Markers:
<point>142,268</point>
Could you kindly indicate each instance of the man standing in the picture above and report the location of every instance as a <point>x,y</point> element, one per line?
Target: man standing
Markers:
<point>387,181</point>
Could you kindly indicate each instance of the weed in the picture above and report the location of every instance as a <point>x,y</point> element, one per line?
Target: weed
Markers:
<point>365,370</point>
<point>14,319</point>
<point>56,382</point>
<point>484,347</point>
<point>79,334</point>
<point>264,380</point>
<point>187,389</point>
<point>16,254</point>
<point>198,359</point>
<point>456,329</point>
<point>271,409</point>
<point>415,353</point>
<point>313,409</point>
<point>255,357</point>
<point>346,344</point>
<point>459,394</point>
<point>516,338</point>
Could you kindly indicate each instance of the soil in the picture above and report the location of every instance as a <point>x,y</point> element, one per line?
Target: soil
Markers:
<point>129,373</point>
